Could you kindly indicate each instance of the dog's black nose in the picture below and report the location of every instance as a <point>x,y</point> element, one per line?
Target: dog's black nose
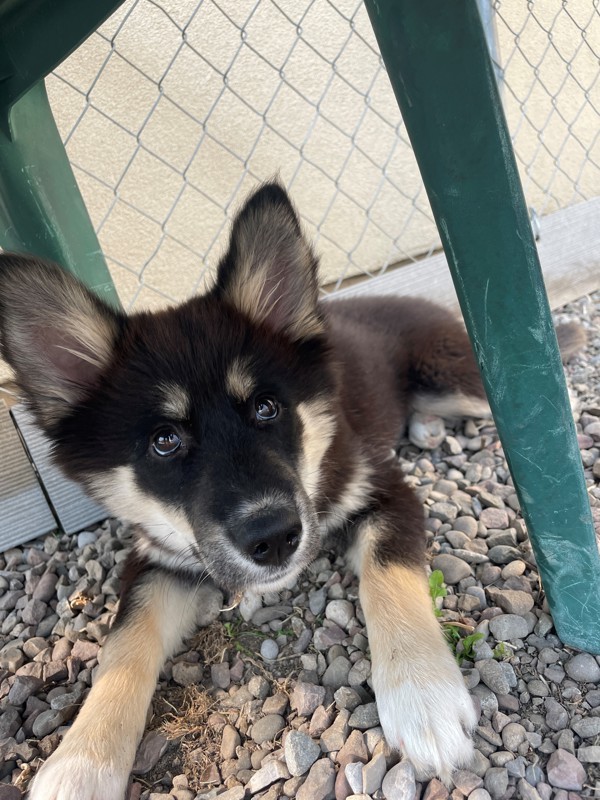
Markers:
<point>271,537</point>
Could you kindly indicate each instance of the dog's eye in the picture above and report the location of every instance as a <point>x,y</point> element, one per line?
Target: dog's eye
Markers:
<point>265,408</point>
<point>166,442</point>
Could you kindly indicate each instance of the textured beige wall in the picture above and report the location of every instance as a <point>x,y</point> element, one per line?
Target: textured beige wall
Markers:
<point>168,135</point>
<point>175,109</point>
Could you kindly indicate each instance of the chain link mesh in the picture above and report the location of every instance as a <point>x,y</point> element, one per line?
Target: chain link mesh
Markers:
<point>175,108</point>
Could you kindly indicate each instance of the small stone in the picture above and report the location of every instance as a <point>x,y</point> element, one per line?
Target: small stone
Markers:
<point>400,783</point>
<point>151,748</point>
<point>526,791</point>
<point>336,674</point>
<point>353,774</point>
<point>446,512</point>
<point>502,554</point>
<point>8,792</point>
<point>587,728</point>
<point>513,735</point>
<point>187,674</point>
<point>306,698</point>
<point>22,688</point>
<point>364,717</point>
<point>277,704</point>
<point>373,773</point>
<point>272,771</point>
<point>10,722</point>
<point>49,721</point>
<point>326,637</point>
<point>493,676</point>
<point>511,601</point>
<point>229,741</point>
<point>300,752</point>
<point>557,717</point>
<point>46,587</point>
<point>435,791</point>
<point>84,650</point>
<point>589,755</point>
<point>564,771</point>
<point>584,668</point>
<point>454,569</point>
<point>507,627</point>
<point>354,749</point>
<point>480,794</point>
<point>11,659</point>
<point>34,612</point>
<point>494,518</point>
<point>341,612</point>
<point>346,697</point>
<point>319,785</point>
<point>267,728</point>
<point>219,674</point>
<point>496,781</point>
<point>335,736</point>
<point>269,649</point>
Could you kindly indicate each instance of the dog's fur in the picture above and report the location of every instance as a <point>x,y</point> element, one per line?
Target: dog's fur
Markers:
<point>280,412</point>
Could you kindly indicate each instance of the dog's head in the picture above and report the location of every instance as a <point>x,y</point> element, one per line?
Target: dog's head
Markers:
<point>205,424</point>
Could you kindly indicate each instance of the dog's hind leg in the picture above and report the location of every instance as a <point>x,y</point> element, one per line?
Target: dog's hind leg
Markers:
<point>424,707</point>
<point>94,760</point>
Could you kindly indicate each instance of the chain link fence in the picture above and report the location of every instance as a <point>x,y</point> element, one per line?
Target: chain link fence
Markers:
<point>174,109</point>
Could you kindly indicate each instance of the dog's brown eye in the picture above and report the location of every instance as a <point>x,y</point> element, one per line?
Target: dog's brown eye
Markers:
<point>265,408</point>
<point>166,442</point>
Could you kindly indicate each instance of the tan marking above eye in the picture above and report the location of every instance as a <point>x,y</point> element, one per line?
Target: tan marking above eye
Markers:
<point>239,381</point>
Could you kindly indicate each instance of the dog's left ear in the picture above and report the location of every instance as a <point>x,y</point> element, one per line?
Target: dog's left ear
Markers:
<point>269,272</point>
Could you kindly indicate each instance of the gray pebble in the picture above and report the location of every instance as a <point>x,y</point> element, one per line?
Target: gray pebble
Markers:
<point>10,722</point>
<point>584,668</point>
<point>319,785</point>
<point>564,771</point>
<point>300,752</point>
<point>269,649</point>
<point>364,717</point>
<point>399,783</point>
<point>587,728</point>
<point>507,627</point>
<point>496,781</point>
<point>267,728</point>
<point>49,721</point>
<point>557,716</point>
<point>454,569</point>
<point>493,676</point>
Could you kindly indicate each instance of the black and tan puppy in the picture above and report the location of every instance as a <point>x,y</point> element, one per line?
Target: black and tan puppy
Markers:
<point>235,431</point>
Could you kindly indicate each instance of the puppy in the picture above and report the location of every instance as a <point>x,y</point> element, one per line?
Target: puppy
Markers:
<point>236,431</point>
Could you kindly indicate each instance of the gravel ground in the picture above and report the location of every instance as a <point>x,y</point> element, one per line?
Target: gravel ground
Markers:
<point>276,702</point>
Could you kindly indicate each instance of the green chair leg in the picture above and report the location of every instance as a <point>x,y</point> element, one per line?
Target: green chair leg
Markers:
<point>41,208</point>
<point>439,67</point>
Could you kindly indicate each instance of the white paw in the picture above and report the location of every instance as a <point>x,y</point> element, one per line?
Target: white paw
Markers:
<point>426,431</point>
<point>429,720</point>
<point>78,777</point>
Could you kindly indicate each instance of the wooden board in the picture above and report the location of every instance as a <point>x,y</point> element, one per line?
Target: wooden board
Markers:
<point>569,249</point>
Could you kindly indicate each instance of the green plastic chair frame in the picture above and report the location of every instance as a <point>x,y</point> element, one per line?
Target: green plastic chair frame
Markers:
<point>439,66</point>
<point>41,208</point>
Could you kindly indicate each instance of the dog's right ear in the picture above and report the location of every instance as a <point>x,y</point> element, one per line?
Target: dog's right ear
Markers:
<point>56,335</point>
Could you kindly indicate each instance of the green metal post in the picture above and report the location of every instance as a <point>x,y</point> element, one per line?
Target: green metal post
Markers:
<point>41,208</point>
<point>441,73</point>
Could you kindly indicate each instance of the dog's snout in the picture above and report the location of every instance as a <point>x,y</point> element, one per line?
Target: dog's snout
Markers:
<point>271,538</point>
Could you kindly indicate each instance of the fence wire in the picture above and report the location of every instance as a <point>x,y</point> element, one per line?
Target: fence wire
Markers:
<point>174,109</point>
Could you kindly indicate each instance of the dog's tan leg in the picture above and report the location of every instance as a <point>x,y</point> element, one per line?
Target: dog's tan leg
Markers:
<point>424,707</point>
<point>95,758</point>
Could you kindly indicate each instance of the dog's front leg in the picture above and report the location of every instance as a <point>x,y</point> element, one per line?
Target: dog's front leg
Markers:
<point>95,758</point>
<point>424,707</point>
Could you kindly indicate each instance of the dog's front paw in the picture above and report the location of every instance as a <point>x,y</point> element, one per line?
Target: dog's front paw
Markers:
<point>429,718</point>
<point>78,777</point>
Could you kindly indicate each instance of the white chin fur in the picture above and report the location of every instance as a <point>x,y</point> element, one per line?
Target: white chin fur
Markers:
<point>78,778</point>
<point>430,724</point>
